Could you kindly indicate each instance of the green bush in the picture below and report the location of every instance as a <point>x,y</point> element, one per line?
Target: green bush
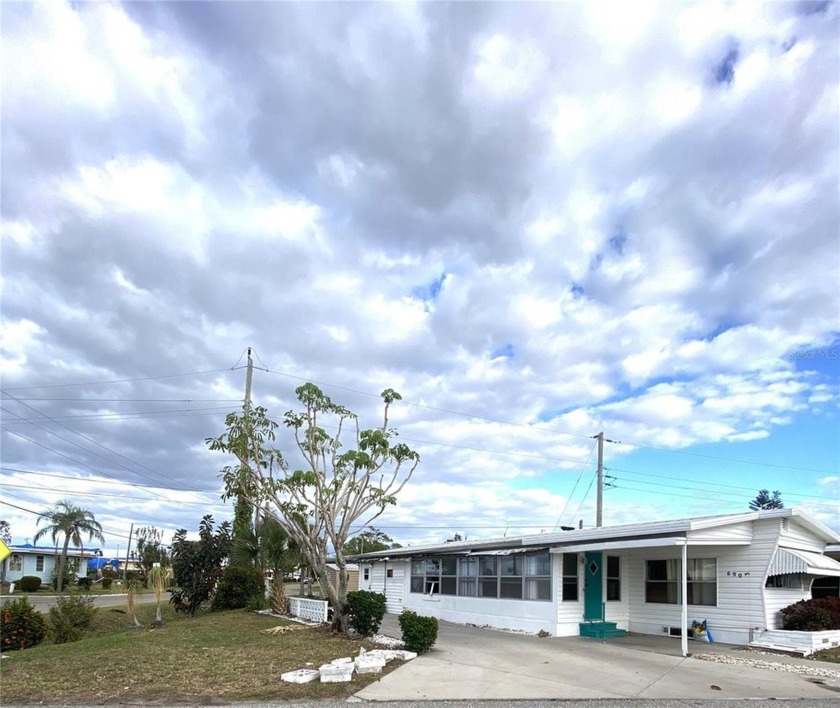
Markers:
<point>258,602</point>
<point>84,583</point>
<point>70,618</point>
<point>134,576</point>
<point>238,584</point>
<point>69,578</point>
<point>21,625</point>
<point>418,633</point>
<point>814,615</point>
<point>106,583</point>
<point>30,583</point>
<point>365,610</point>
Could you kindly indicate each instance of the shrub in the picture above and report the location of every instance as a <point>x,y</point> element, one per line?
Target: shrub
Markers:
<point>238,584</point>
<point>109,571</point>
<point>106,583</point>
<point>365,610</point>
<point>418,633</point>
<point>134,576</point>
<point>30,583</point>
<point>68,578</point>
<point>84,583</point>
<point>258,602</point>
<point>814,615</point>
<point>21,625</point>
<point>70,618</point>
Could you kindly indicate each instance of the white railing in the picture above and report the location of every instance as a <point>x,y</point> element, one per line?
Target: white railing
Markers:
<point>312,610</point>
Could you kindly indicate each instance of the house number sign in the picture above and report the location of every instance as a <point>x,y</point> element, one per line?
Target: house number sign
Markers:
<point>737,573</point>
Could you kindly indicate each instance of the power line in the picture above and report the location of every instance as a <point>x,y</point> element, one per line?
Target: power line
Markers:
<point>99,481</point>
<point>107,530</point>
<point>72,459</point>
<point>577,481</point>
<point>85,437</point>
<point>750,490</point>
<point>132,400</point>
<point>721,459</point>
<point>130,415</point>
<point>539,428</point>
<point>114,381</point>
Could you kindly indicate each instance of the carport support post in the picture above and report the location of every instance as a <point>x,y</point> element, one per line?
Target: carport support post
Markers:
<point>684,579</point>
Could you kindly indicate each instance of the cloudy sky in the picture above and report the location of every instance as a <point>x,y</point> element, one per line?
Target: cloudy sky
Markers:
<point>535,221</point>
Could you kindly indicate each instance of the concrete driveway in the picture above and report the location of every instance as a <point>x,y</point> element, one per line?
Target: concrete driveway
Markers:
<point>474,663</point>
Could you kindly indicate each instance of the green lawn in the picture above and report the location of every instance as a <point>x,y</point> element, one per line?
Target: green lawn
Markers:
<point>224,656</point>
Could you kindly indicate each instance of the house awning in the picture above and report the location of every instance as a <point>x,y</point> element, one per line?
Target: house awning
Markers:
<point>788,560</point>
<point>508,552</point>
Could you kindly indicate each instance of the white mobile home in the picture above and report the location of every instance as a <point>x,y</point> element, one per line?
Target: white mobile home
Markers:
<point>735,572</point>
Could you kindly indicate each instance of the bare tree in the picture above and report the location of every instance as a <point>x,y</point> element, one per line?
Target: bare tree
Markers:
<point>341,487</point>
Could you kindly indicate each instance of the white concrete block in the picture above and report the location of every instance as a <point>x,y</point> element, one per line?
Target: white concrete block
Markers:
<point>405,655</point>
<point>367,664</point>
<point>336,673</point>
<point>342,660</point>
<point>300,676</point>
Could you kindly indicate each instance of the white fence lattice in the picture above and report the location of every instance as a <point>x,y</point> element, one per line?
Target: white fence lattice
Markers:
<point>312,610</point>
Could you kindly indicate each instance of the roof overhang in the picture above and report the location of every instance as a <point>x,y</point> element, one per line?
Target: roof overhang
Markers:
<point>788,561</point>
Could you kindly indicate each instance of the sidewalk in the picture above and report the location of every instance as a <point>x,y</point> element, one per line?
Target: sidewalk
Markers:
<point>474,663</point>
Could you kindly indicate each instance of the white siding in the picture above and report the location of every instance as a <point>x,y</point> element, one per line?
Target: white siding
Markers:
<point>378,581</point>
<point>569,613</point>
<point>777,598</point>
<point>742,531</point>
<point>794,535</point>
<point>740,584</point>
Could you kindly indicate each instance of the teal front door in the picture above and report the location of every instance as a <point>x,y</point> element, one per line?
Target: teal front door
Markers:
<point>593,597</point>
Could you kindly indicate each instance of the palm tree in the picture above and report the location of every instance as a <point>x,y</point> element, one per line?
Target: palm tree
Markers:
<point>72,521</point>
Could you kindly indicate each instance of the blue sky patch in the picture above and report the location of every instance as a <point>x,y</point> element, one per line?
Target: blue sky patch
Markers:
<point>508,351</point>
<point>725,70</point>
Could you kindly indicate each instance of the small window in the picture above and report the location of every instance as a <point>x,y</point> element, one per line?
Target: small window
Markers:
<point>791,581</point>
<point>39,564</point>
<point>16,562</point>
<point>487,565</point>
<point>389,573</point>
<point>366,573</point>
<point>511,565</point>
<point>613,579</point>
<point>570,577</point>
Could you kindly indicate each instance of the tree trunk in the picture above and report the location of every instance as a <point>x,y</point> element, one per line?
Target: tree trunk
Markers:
<point>62,563</point>
<point>279,601</point>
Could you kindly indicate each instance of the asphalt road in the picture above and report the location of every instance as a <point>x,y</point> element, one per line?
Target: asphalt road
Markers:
<point>43,602</point>
<point>614,703</point>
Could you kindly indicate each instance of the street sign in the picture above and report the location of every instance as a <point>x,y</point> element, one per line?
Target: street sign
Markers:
<point>4,551</point>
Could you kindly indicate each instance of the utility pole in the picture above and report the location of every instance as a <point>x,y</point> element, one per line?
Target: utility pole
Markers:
<point>127,551</point>
<point>249,375</point>
<point>599,507</point>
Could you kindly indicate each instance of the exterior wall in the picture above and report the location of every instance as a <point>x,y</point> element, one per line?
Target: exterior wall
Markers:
<point>30,561</point>
<point>570,613</point>
<point>741,572</point>
<point>29,565</point>
<point>777,598</point>
<point>523,615</point>
<point>352,579</point>
<point>394,588</point>
<point>794,535</point>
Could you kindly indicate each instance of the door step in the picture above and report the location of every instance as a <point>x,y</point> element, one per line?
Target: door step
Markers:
<point>600,630</point>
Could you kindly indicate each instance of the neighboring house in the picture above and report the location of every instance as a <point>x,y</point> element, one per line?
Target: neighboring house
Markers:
<point>828,586</point>
<point>41,560</point>
<point>735,572</point>
<point>352,576</point>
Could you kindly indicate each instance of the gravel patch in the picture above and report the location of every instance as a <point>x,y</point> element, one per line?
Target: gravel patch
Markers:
<point>772,666</point>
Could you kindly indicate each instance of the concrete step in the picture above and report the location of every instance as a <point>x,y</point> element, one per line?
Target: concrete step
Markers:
<point>600,630</point>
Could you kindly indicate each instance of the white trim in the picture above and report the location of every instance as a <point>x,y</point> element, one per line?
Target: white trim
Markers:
<point>684,573</point>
